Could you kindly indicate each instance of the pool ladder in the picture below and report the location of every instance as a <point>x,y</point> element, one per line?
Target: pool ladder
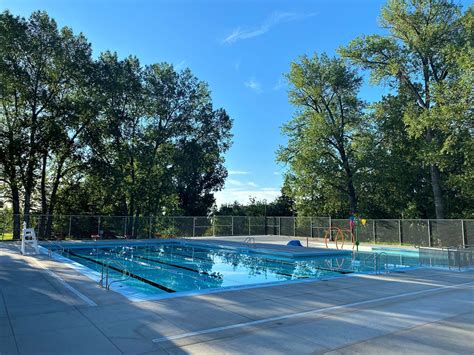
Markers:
<point>250,241</point>
<point>105,281</point>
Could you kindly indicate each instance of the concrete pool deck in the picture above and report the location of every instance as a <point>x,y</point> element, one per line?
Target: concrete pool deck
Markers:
<point>49,308</point>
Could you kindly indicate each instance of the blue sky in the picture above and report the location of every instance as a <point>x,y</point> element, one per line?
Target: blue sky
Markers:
<point>241,48</point>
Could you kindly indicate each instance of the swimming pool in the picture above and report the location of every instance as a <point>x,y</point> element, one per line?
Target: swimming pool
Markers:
<point>158,270</point>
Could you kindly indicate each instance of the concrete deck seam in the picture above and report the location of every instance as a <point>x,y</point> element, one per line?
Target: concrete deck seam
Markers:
<point>63,283</point>
<point>397,332</point>
<point>100,330</point>
<point>10,322</point>
<point>300,314</point>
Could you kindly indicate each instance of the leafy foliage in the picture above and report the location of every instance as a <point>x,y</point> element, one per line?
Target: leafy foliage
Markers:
<point>425,39</point>
<point>323,135</point>
<point>410,154</point>
<point>102,136</point>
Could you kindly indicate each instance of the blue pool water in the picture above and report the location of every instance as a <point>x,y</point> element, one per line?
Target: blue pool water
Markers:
<point>170,268</point>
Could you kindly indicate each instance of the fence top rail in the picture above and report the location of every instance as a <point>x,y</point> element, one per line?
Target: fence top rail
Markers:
<point>234,216</point>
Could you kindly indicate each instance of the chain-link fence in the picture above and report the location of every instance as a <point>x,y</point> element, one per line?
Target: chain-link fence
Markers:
<point>419,232</point>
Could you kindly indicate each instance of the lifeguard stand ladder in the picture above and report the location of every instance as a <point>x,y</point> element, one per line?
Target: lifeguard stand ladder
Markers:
<point>28,236</point>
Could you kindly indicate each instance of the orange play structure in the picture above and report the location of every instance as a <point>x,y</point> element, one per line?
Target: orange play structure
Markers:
<point>339,236</point>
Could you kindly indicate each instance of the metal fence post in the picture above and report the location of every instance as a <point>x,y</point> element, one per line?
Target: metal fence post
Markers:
<point>213,226</point>
<point>124,226</point>
<point>98,227</point>
<point>330,227</point>
<point>232,225</point>
<point>249,225</point>
<point>149,228</point>
<point>463,234</point>
<point>294,226</point>
<point>429,233</point>
<point>311,226</point>
<point>194,227</point>
<point>70,223</point>
<point>279,226</point>
<point>374,231</point>
<point>400,231</point>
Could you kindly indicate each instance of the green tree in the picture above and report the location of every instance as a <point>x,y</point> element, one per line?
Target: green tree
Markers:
<point>44,72</point>
<point>320,150</point>
<point>418,52</point>
<point>392,181</point>
<point>281,206</point>
<point>103,136</point>
<point>180,113</point>
<point>159,142</point>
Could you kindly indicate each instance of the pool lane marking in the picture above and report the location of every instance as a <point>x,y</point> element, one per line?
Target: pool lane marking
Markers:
<point>204,272</point>
<point>67,286</point>
<point>302,314</point>
<point>276,261</point>
<point>197,257</point>
<point>126,272</point>
<point>177,266</point>
<point>282,262</point>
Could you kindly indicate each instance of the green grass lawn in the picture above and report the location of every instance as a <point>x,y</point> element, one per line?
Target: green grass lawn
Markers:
<point>6,236</point>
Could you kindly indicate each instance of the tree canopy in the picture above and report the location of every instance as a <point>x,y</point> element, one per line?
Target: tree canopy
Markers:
<point>105,135</point>
<point>409,154</point>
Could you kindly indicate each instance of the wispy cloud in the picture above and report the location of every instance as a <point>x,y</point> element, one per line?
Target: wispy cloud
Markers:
<point>238,172</point>
<point>238,183</point>
<point>280,84</point>
<point>273,20</point>
<point>254,85</point>
<point>230,195</point>
<point>237,64</point>
<point>180,65</point>
<point>235,182</point>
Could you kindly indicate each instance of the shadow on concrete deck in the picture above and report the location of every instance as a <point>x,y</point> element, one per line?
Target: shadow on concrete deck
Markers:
<point>38,315</point>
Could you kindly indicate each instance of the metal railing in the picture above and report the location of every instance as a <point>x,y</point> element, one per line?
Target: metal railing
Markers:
<point>419,232</point>
<point>105,281</point>
<point>250,241</point>
<point>451,257</point>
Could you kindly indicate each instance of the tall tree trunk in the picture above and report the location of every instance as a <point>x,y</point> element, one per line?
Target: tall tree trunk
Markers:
<point>352,195</point>
<point>10,169</point>
<point>27,207</point>
<point>136,223</point>
<point>53,197</point>
<point>350,184</point>
<point>44,202</point>
<point>437,191</point>
<point>30,170</point>
<point>16,211</point>
<point>436,182</point>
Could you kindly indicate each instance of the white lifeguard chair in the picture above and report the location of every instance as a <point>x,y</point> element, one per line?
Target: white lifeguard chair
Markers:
<point>28,236</point>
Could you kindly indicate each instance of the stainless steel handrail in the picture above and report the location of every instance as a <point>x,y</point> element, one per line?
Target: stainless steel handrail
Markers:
<point>106,264</point>
<point>249,240</point>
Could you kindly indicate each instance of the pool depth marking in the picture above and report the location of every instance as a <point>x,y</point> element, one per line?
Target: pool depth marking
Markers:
<point>302,314</point>
<point>126,272</point>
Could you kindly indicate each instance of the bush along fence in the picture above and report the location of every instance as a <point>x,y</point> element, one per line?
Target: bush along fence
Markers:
<point>419,232</point>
